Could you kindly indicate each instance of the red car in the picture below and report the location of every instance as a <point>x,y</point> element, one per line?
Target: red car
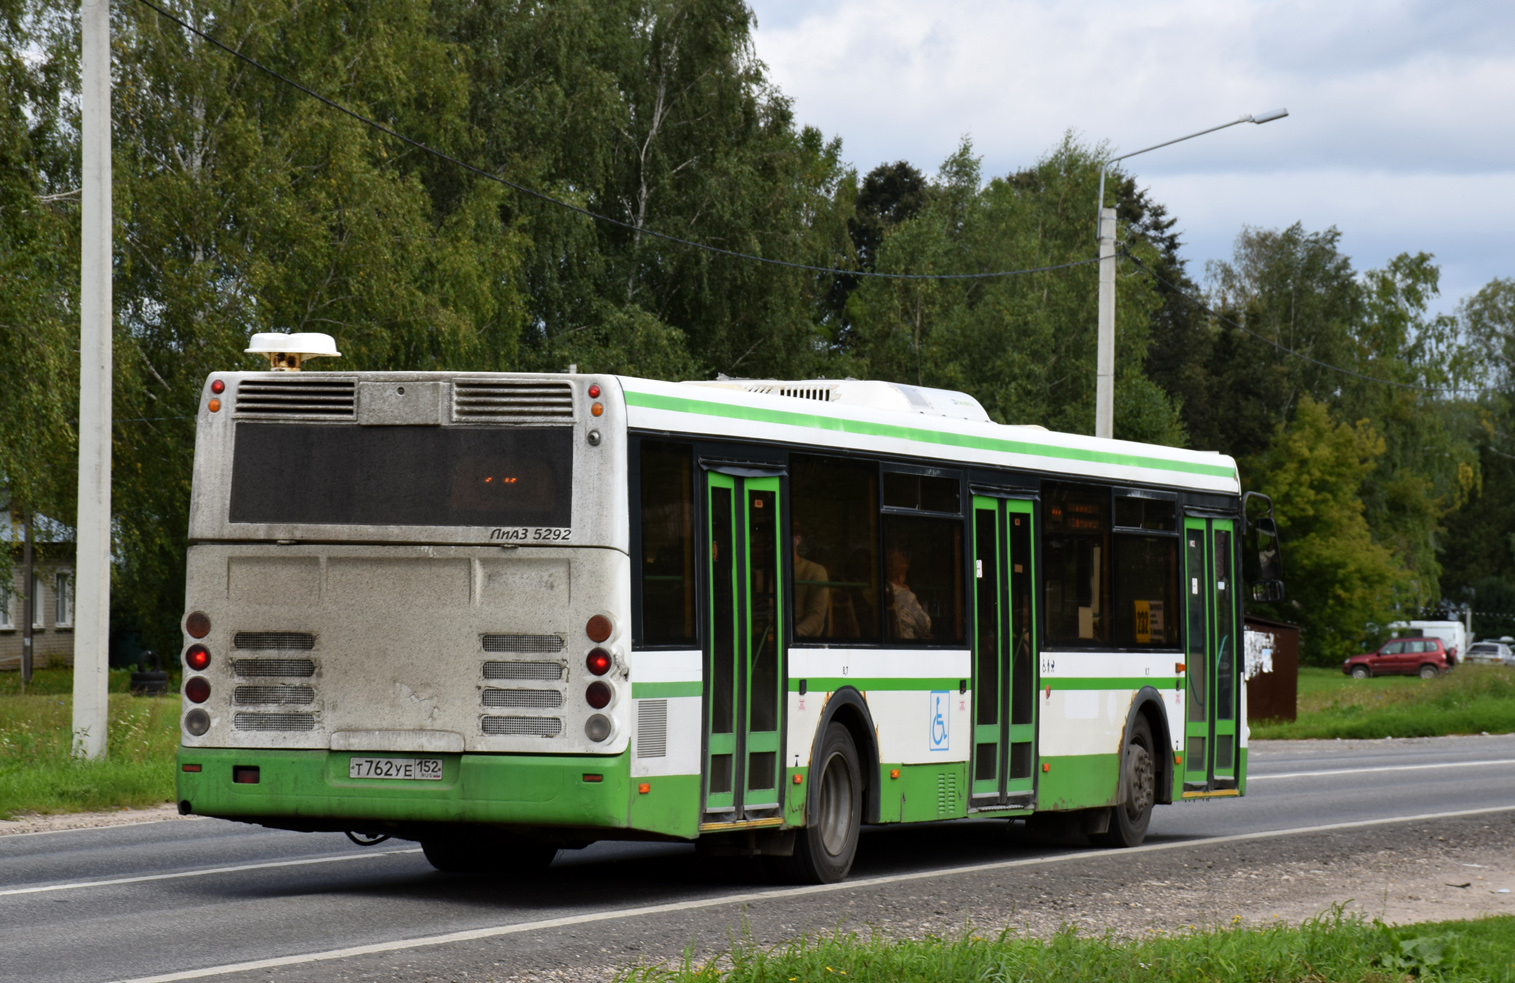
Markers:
<point>1423,657</point>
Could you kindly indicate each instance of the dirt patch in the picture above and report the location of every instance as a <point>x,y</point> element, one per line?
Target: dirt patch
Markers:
<point>33,822</point>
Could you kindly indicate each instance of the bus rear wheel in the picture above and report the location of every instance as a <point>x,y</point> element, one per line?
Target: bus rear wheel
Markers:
<point>824,849</point>
<point>1130,817</point>
<point>476,852</point>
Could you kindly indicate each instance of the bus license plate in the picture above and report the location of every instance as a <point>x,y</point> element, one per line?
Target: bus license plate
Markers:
<point>416,769</point>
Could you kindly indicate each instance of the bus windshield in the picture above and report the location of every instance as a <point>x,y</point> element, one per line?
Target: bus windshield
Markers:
<point>402,475</point>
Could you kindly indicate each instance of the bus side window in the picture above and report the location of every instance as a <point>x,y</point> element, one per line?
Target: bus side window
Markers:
<point>1077,568</point>
<point>1146,572</point>
<point>667,560</point>
<point>834,555</point>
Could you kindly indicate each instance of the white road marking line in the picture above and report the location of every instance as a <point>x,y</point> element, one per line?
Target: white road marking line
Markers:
<point>75,885</point>
<point>1378,768</point>
<point>747,897</point>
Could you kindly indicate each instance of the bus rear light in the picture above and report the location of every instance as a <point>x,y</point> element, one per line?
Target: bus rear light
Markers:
<point>598,662</point>
<point>245,774</point>
<point>597,727</point>
<point>598,695</point>
<point>197,722</point>
<point>192,769</point>
<point>644,788</point>
<point>594,392</point>
<point>597,409</point>
<point>197,658</point>
<point>197,624</point>
<point>218,387</point>
<point>214,405</point>
<point>594,778</point>
<point>197,689</point>
<point>598,629</point>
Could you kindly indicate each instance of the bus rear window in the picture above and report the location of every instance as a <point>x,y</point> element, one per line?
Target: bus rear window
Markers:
<point>402,476</point>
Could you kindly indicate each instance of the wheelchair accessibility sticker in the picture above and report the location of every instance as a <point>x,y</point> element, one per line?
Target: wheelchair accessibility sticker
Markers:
<point>941,710</point>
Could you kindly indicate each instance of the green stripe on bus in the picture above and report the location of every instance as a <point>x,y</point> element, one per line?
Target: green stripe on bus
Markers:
<point>655,691</point>
<point>1111,682</point>
<point>679,404</point>
<point>829,684</point>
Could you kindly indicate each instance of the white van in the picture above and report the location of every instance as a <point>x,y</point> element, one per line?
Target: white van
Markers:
<point>1452,634</point>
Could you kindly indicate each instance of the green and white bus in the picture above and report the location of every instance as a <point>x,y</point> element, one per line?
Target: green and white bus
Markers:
<point>507,614</point>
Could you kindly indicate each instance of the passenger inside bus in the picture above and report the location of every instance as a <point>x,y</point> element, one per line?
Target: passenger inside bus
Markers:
<point>812,596</point>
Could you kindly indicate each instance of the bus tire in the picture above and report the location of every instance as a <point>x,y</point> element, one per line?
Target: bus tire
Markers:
<point>476,853</point>
<point>1130,817</point>
<point>1360,672</point>
<point>825,848</point>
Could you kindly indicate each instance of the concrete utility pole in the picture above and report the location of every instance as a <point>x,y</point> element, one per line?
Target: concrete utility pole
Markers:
<point>1104,371</point>
<point>1104,388</point>
<point>29,606</point>
<point>92,560</point>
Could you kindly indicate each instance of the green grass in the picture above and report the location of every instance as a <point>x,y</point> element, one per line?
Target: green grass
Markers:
<point>1327,949</point>
<point>1472,699</point>
<point>37,773</point>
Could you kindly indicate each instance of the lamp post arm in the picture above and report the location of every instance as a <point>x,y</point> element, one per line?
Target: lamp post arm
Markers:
<point>1262,118</point>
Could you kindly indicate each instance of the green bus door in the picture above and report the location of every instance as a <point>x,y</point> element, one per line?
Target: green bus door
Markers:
<point>744,650</point>
<point>1004,654</point>
<point>1213,680</point>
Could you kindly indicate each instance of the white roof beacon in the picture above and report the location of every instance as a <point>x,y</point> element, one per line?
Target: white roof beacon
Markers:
<point>285,352</point>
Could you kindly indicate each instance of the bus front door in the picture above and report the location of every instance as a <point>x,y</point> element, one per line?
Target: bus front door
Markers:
<point>1212,691</point>
<point>1004,655</point>
<point>743,652</point>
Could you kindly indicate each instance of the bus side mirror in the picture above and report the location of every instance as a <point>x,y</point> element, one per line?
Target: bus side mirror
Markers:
<point>1263,560</point>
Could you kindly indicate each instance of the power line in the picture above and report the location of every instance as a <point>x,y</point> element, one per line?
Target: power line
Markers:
<point>523,189</point>
<point>1284,348</point>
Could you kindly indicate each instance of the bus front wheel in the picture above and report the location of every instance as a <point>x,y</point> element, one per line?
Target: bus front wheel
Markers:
<point>824,849</point>
<point>1129,817</point>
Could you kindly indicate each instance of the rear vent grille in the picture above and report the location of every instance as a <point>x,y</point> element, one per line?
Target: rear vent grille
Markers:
<point>274,640</point>
<point>523,643</point>
<point>332,399</point>
<point>246,696</point>
<point>522,670</point>
<point>274,721</point>
<point>298,668</point>
<point>499,400</point>
<point>537,699</point>
<point>523,726</point>
<point>652,728</point>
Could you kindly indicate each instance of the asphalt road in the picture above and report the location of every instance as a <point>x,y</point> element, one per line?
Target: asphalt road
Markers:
<point>175,899</point>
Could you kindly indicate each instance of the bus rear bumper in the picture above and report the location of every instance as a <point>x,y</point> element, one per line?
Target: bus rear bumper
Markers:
<point>311,789</point>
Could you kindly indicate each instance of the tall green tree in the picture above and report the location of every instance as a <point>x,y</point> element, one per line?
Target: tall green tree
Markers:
<point>1023,345</point>
<point>39,251</point>
<point>1341,582</point>
<point>243,205</point>
<point>658,114</point>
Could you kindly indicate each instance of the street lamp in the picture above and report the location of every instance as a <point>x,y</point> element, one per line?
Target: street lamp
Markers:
<point>1104,390</point>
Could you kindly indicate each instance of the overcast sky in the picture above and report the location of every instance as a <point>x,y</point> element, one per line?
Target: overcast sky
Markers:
<point>1401,130</point>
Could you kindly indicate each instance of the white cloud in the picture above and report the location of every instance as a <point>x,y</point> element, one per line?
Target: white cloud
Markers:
<point>1401,112</point>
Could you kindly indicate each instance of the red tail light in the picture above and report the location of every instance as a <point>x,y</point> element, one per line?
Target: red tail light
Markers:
<point>598,695</point>
<point>598,662</point>
<point>197,658</point>
<point>197,689</point>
